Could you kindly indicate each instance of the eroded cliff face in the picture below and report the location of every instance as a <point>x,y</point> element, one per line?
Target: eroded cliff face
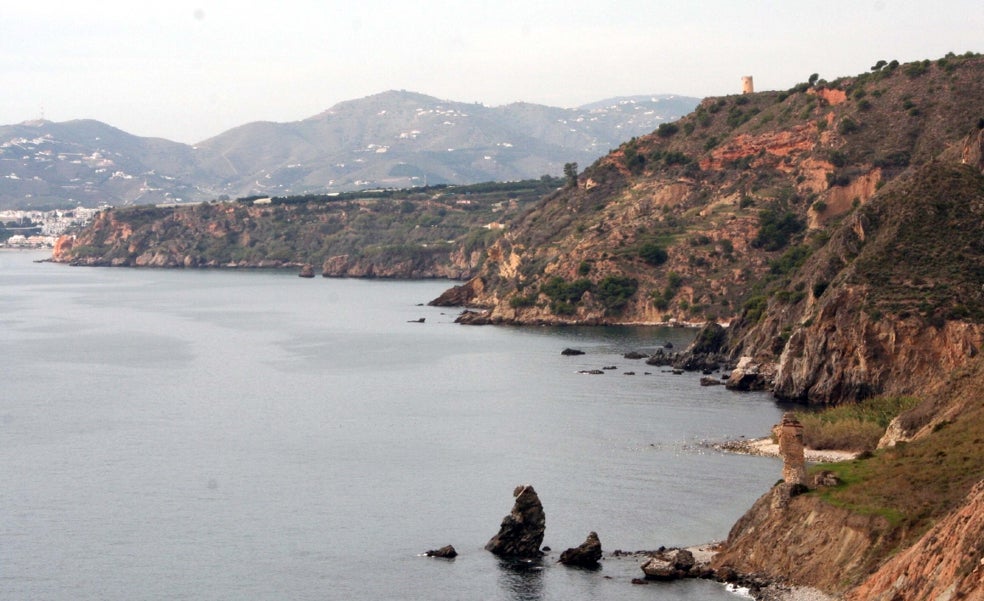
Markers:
<point>946,563</point>
<point>802,540</point>
<point>846,354</point>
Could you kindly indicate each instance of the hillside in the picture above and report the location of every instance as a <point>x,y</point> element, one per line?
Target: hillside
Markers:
<point>437,231</point>
<point>903,524</point>
<point>389,140</point>
<point>782,213</point>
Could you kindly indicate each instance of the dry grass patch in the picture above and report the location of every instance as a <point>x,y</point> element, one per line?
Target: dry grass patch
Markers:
<point>852,427</point>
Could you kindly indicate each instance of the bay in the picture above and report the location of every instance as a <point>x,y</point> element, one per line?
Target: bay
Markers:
<point>255,435</point>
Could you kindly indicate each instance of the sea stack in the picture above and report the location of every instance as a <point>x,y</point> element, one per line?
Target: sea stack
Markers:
<point>521,533</point>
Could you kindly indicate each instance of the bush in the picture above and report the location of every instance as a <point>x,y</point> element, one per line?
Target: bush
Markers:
<point>653,254</point>
<point>665,130</point>
<point>560,290</point>
<point>776,228</point>
<point>614,292</point>
<point>847,126</point>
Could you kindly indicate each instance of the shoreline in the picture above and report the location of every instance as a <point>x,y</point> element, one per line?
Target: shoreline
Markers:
<point>764,447</point>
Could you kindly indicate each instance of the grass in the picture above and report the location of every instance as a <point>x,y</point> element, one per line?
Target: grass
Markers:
<point>913,484</point>
<point>852,426</point>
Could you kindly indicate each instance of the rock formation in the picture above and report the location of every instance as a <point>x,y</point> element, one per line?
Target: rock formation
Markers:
<point>946,563</point>
<point>791,450</point>
<point>445,552</point>
<point>586,555</point>
<point>521,533</point>
<point>671,564</point>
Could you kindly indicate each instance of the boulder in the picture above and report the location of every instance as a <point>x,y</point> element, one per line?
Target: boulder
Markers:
<point>634,355</point>
<point>584,556</point>
<point>307,271</point>
<point>521,533</point>
<point>446,552</point>
<point>709,381</point>
<point>672,564</point>
<point>570,352</point>
<point>749,375</point>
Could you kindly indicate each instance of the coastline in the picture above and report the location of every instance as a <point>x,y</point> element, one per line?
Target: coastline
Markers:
<point>765,447</point>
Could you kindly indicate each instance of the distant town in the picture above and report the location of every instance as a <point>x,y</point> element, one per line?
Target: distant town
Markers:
<point>40,229</point>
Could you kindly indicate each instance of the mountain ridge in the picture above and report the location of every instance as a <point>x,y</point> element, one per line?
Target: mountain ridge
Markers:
<point>391,139</point>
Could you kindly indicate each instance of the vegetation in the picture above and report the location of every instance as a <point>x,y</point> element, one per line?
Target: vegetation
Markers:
<point>854,426</point>
<point>776,228</point>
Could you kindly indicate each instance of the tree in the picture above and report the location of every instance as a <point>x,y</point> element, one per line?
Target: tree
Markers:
<point>878,66</point>
<point>570,174</point>
<point>813,78</point>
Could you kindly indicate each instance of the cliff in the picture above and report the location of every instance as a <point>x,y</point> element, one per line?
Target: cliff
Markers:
<point>435,232</point>
<point>904,523</point>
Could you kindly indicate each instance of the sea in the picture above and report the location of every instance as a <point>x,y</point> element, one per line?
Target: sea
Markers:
<point>253,435</point>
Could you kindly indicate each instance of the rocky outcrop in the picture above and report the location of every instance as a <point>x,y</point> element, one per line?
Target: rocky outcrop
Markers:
<point>672,564</point>
<point>749,374</point>
<point>445,552</point>
<point>846,354</point>
<point>62,246</point>
<point>521,533</point>
<point>460,296</point>
<point>800,539</point>
<point>587,555</point>
<point>946,563</point>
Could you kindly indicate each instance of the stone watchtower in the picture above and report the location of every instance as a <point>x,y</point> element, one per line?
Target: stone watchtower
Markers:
<point>747,87</point>
<point>791,450</point>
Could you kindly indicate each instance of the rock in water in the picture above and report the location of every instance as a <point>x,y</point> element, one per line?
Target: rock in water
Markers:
<point>585,556</point>
<point>446,552</point>
<point>670,565</point>
<point>521,533</point>
<point>307,271</point>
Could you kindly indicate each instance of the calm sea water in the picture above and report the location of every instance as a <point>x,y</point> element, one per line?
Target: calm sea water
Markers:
<point>210,435</point>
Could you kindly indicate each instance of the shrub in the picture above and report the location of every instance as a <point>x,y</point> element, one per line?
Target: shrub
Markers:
<point>754,308</point>
<point>559,289</point>
<point>653,254</point>
<point>520,301</point>
<point>666,130</point>
<point>614,292</point>
<point>776,228</point>
<point>847,126</point>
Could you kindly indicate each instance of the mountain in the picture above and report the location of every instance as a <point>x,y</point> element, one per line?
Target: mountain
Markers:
<point>88,163</point>
<point>393,139</point>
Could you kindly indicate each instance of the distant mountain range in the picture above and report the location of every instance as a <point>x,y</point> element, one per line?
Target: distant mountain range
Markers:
<point>393,139</point>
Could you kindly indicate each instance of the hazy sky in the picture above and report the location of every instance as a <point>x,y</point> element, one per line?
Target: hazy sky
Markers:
<point>188,70</point>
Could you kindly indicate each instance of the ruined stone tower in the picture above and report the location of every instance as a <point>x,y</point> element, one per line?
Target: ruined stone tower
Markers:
<point>747,87</point>
<point>791,450</point>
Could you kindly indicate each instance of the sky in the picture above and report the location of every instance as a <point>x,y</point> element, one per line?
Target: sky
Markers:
<point>189,70</point>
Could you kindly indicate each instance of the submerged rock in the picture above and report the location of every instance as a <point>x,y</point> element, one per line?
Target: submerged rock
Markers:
<point>521,533</point>
<point>586,555</point>
<point>571,352</point>
<point>446,552</point>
